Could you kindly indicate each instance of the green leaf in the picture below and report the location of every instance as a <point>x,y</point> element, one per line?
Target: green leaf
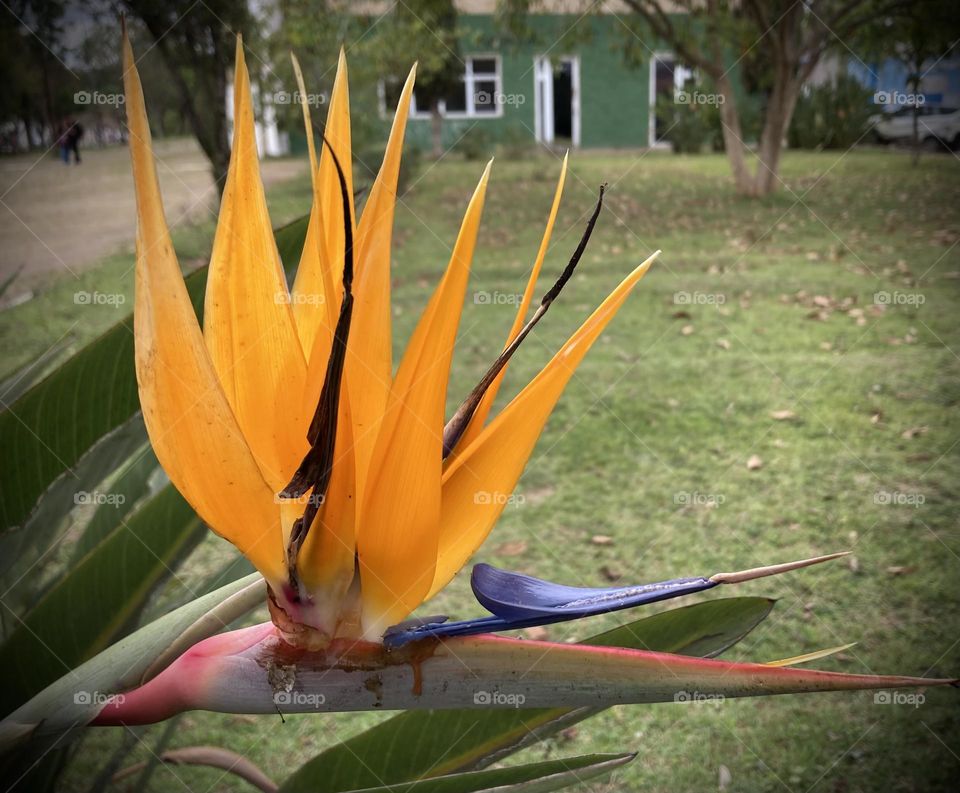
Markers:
<point>72,699</point>
<point>129,484</point>
<point>390,756</point>
<point>531,778</point>
<point>21,548</point>
<point>290,242</point>
<point>85,611</point>
<point>46,431</point>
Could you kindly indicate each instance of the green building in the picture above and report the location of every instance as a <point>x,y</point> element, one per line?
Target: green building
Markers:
<point>568,84</point>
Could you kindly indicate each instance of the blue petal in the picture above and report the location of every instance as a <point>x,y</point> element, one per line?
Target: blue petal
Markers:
<point>521,601</point>
<point>517,596</point>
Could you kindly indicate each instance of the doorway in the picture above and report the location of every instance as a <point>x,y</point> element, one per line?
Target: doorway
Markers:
<point>556,84</point>
<point>667,77</point>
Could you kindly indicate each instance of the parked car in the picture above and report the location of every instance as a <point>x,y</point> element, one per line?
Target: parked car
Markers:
<point>937,126</point>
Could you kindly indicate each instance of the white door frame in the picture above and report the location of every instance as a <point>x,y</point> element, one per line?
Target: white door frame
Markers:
<point>652,141</point>
<point>681,74</point>
<point>543,98</point>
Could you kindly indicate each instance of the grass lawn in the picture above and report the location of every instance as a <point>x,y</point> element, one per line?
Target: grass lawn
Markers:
<point>833,300</point>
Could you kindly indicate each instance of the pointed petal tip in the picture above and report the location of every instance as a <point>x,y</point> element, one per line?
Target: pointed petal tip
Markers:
<point>774,569</point>
<point>816,655</point>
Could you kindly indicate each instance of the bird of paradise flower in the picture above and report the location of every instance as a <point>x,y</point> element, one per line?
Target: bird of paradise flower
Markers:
<point>283,423</point>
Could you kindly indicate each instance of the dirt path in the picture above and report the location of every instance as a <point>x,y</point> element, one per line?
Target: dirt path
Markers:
<point>57,219</point>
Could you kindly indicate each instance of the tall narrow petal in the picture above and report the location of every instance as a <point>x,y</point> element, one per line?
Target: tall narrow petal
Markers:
<point>191,426</point>
<point>316,291</point>
<point>369,353</point>
<point>475,427</point>
<point>307,121</point>
<point>248,323</point>
<point>477,483</point>
<point>397,538</point>
<point>328,558</point>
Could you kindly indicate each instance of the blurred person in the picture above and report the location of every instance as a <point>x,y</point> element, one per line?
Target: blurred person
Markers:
<point>74,133</point>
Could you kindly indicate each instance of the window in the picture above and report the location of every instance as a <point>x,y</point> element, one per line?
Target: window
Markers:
<point>477,93</point>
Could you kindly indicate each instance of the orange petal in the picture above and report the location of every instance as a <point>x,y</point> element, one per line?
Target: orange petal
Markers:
<point>328,557</point>
<point>477,484</point>
<point>369,366</point>
<point>475,427</point>
<point>316,289</point>
<point>248,324</point>
<point>190,423</point>
<point>307,122</point>
<point>397,539</point>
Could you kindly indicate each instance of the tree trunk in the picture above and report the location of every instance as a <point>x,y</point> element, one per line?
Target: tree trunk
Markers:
<point>733,138</point>
<point>783,101</point>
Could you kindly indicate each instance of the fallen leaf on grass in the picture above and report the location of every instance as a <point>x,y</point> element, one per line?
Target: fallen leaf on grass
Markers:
<point>782,415</point>
<point>601,539</point>
<point>897,569</point>
<point>724,778</point>
<point>611,573</point>
<point>913,432</point>
<point>512,548</point>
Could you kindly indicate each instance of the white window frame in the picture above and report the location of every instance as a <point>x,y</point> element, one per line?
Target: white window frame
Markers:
<point>470,80</point>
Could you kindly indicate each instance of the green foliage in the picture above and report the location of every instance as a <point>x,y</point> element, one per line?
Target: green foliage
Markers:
<point>515,144</point>
<point>99,597</point>
<point>831,116</point>
<point>475,145</point>
<point>688,126</point>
